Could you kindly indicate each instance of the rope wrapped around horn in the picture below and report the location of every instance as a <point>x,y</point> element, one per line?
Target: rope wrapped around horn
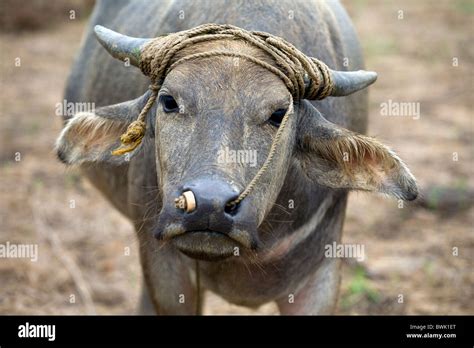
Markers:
<point>315,74</point>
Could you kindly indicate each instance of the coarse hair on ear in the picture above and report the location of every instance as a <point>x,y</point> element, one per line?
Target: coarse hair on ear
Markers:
<point>90,137</point>
<point>338,158</point>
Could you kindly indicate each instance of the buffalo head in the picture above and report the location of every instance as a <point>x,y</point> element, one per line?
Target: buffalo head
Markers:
<point>211,129</point>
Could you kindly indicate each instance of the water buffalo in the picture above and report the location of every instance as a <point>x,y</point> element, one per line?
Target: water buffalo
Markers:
<point>271,246</point>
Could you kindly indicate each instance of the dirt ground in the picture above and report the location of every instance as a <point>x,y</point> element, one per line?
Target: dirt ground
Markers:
<point>88,254</point>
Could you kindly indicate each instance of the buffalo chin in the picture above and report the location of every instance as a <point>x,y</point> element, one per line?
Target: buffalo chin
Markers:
<point>205,245</point>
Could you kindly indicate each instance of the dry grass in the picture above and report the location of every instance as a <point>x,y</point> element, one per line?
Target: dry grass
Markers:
<point>409,250</point>
<point>40,14</point>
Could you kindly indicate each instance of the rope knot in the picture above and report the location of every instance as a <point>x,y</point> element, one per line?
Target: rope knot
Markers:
<point>131,138</point>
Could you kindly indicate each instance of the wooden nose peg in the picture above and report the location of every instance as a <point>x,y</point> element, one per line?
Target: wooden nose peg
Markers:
<point>186,202</point>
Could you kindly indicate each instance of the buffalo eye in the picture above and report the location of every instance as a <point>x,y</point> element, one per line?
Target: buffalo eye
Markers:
<point>276,118</point>
<point>169,104</point>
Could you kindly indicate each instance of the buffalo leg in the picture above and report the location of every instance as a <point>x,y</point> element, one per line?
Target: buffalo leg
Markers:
<point>318,295</point>
<point>169,288</point>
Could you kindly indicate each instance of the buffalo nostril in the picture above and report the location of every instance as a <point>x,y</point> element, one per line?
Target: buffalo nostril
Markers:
<point>231,208</point>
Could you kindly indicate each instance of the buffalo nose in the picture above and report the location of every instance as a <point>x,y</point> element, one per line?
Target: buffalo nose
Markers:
<point>207,200</point>
<point>207,196</point>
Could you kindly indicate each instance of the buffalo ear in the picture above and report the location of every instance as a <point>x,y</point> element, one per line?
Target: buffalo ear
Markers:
<point>90,137</point>
<point>338,158</point>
